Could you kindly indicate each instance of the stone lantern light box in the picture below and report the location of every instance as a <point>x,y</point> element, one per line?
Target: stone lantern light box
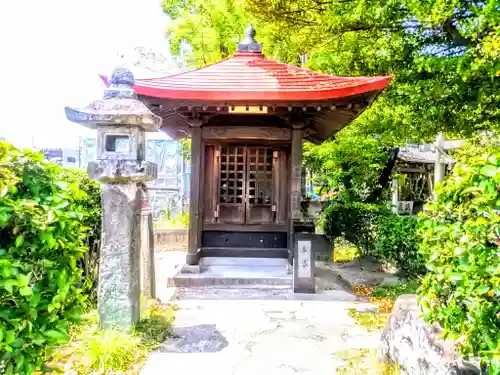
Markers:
<point>121,122</point>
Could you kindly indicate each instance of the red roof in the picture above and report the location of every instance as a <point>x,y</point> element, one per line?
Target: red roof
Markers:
<point>249,76</point>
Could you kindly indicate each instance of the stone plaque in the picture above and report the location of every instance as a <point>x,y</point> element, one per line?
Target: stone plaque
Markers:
<point>304,259</point>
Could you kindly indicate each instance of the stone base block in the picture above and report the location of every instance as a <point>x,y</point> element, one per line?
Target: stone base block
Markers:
<point>193,258</point>
<point>186,268</point>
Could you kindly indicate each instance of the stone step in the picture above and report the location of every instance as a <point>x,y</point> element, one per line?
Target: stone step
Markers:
<point>207,280</point>
<point>250,262</point>
<point>244,252</point>
<point>238,272</point>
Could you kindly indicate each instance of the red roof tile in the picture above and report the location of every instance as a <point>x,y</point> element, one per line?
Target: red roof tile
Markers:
<point>251,77</point>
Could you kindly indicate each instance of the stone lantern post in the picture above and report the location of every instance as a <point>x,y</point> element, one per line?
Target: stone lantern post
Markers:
<point>121,122</point>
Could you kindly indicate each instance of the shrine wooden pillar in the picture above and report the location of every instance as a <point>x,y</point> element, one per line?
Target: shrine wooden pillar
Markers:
<point>196,190</point>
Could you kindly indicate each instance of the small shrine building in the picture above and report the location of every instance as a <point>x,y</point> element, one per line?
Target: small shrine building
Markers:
<point>247,117</point>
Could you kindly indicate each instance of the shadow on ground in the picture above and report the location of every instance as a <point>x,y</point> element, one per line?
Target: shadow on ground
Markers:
<point>203,338</point>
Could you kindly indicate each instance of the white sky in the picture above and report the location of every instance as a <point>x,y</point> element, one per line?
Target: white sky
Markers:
<point>51,53</point>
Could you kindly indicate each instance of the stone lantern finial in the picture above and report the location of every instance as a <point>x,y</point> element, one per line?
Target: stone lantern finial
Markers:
<point>121,85</point>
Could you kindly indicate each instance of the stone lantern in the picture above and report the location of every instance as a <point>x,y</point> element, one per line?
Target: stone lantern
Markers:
<point>121,122</point>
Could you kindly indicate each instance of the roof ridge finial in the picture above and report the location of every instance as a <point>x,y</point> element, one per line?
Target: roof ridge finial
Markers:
<point>249,44</point>
<point>250,34</point>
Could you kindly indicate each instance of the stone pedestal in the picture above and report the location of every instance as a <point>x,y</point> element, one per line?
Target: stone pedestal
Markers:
<point>119,269</point>
<point>303,264</point>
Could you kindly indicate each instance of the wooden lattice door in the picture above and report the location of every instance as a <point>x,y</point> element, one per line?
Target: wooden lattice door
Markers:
<point>259,185</point>
<point>232,182</point>
<point>247,185</point>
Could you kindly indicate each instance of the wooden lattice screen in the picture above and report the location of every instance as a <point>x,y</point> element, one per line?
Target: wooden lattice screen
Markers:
<point>232,176</point>
<point>260,175</point>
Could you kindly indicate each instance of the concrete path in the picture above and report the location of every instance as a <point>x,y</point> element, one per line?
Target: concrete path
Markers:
<point>259,332</point>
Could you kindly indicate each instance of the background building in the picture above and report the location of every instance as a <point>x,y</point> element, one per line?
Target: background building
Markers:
<point>65,157</point>
<point>169,193</point>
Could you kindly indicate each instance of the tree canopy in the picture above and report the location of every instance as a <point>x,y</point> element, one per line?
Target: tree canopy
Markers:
<point>444,55</point>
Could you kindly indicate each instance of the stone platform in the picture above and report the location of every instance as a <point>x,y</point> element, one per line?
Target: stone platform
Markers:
<point>239,272</point>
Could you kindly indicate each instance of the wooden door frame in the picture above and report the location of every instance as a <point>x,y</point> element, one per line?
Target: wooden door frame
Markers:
<point>214,170</point>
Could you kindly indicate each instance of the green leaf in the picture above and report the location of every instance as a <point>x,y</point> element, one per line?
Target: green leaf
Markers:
<point>39,340</point>
<point>9,370</point>
<point>482,289</point>
<point>17,343</point>
<point>3,191</point>
<point>29,368</point>
<point>25,291</point>
<point>56,335</point>
<point>490,170</point>
<point>46,263</point>
<point>19,240</point>
<point>9,284</point>
<point>23,280</point>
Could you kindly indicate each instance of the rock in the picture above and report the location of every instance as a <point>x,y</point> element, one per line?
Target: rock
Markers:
<point>390,280</point>
<point>417,347</point>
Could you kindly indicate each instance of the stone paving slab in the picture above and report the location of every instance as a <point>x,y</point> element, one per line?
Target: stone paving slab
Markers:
<point>258,331</point>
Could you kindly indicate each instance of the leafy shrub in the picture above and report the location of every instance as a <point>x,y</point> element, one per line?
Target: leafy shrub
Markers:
<point>356,222</point>
<point>343,251</point>
<point>90,202</point>
<point>397,243</point>
<point>41,241</point>
<point>351,163</point>
<point>460,240</point>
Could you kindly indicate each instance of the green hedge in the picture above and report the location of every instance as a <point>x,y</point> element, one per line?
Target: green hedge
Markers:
<point>356,222</point>
<point>460,234</point>
<point>397,243</point>
<point>42,236</point>
<point>376,232</point>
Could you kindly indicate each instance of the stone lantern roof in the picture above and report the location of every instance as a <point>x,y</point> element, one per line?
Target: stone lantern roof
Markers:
<point>118,106</point>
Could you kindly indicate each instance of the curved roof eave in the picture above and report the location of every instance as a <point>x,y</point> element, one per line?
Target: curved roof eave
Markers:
<point>250,77</point>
